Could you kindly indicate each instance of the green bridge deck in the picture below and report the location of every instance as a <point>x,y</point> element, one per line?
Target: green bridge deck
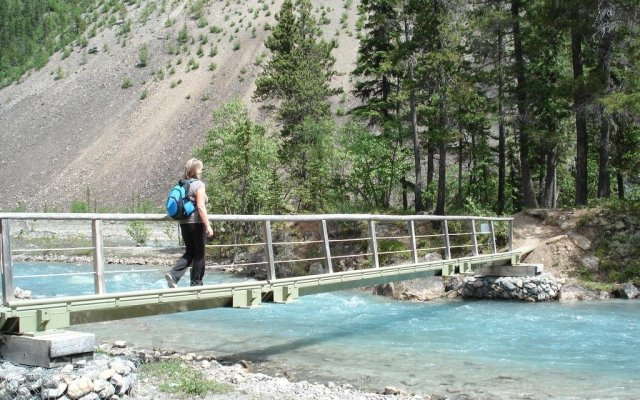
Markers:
<point>40,315</point>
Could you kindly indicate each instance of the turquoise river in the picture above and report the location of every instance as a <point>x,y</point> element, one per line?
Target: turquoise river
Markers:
<point>486,349</point>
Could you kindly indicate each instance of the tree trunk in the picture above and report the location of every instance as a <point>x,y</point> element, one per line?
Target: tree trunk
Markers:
<point>620,182</point>
<point>460,168</point>
<point>501,135</point>
<point>526,183</point>
<point>442,153</point>
<point>580,101</point>
<point>417,190</point>
<point>550,179</point>
<point>619,151</point>
<point>606,43</point>
<point>442,179</point>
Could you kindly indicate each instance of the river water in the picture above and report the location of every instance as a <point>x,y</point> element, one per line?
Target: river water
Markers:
<point>486,349</point>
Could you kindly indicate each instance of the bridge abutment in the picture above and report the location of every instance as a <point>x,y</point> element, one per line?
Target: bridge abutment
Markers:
<point>47,349</point>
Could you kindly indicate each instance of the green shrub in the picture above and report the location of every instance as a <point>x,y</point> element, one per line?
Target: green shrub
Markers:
<point>391,245</point>
<point>126,83</point>
<point>59,73</point>
<point>139,231</point>
<point>79,206</point>
<point>179,379</point>
<point>183,34</point>
<point>143,55</point>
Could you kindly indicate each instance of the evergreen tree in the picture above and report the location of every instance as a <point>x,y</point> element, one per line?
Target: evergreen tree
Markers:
<point>298,79</point>
<point>378,84</point>
<point>32,30</point>
<point>242,163</point>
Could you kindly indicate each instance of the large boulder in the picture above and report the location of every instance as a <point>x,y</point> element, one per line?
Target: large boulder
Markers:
<point>570,293</point>
<point>580,241</point>
<point>420,289</point>
<point>627,291</point>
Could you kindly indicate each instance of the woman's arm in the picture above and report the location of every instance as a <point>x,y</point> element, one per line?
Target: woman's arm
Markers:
<point>202,209</point>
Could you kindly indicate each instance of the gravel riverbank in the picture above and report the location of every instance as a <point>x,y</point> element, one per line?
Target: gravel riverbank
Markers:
<point>245,383</point>
<point>116,372</point>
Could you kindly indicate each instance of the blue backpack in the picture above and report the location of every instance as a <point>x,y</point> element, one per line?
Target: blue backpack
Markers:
<point>179,204</point>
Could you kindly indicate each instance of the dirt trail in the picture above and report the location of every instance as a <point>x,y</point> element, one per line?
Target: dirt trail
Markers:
<point>531,231</point>
<point>552,246</point>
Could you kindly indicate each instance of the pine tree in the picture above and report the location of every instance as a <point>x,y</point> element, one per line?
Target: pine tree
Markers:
<point>297,79</point>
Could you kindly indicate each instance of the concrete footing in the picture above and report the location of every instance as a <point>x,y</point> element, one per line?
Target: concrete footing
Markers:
<point>510,270</point>
<point>47,349</point>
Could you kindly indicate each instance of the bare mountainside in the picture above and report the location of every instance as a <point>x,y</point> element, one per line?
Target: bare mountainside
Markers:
<point>74,127</point>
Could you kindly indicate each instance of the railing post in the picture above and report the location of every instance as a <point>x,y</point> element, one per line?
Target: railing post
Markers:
<point>414,247</point>
<point>98,256</point>
<point>447,243</point>
<point>510,235</point>
<point>474,236</point>
<point>5,260</point>
<point>493,237</point>
<point>325,246</point>
<point>374,242</point>
<point>271,270</point>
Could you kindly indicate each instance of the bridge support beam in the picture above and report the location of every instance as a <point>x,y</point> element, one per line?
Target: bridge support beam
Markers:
<point>465,267</point>
<point>50,349</point>
<point>243,298</point>
<point>285,294</point>
<point>448,269</point>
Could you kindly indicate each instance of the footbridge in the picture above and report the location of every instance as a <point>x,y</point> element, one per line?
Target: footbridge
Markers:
<point>293,256</point>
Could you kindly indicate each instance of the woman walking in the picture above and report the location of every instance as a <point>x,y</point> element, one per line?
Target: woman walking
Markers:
<point>195,229</point>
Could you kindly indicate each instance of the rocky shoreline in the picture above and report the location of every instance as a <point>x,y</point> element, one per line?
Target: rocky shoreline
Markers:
<point>115,373</point>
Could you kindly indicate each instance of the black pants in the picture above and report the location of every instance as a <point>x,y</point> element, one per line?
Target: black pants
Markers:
<point>195,237</point>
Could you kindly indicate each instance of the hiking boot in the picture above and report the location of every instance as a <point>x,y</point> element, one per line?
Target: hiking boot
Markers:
<point>171,281</point>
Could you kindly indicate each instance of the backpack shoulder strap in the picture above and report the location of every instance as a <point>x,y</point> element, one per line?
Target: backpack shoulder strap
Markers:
<point>187,184</point>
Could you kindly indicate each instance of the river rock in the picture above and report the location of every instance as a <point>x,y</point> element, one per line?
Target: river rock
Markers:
<point>392,390</point>
<point>452,282</point>
<point>591,263</point>
<point>580,241</point>
<point>420,289</point>
<point>432,257</point>
<point>317,268</point>
<point>571,293</point>
<point>103,388</point>
<point>543,287</point>
<point>54,393</point>
<point>627,291</point>
<point>22,294</point>
<point>79,388</point>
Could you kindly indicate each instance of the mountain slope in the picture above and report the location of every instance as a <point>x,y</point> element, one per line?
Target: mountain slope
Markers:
<point>73,131</point>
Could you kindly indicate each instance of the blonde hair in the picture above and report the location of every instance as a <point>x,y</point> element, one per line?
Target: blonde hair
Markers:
<point>191,168</point>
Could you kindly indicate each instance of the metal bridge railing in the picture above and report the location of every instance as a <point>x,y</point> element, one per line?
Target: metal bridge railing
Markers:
<point>409,237</point>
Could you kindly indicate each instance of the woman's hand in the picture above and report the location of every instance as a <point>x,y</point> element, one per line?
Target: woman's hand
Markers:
<point>209,231</point>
